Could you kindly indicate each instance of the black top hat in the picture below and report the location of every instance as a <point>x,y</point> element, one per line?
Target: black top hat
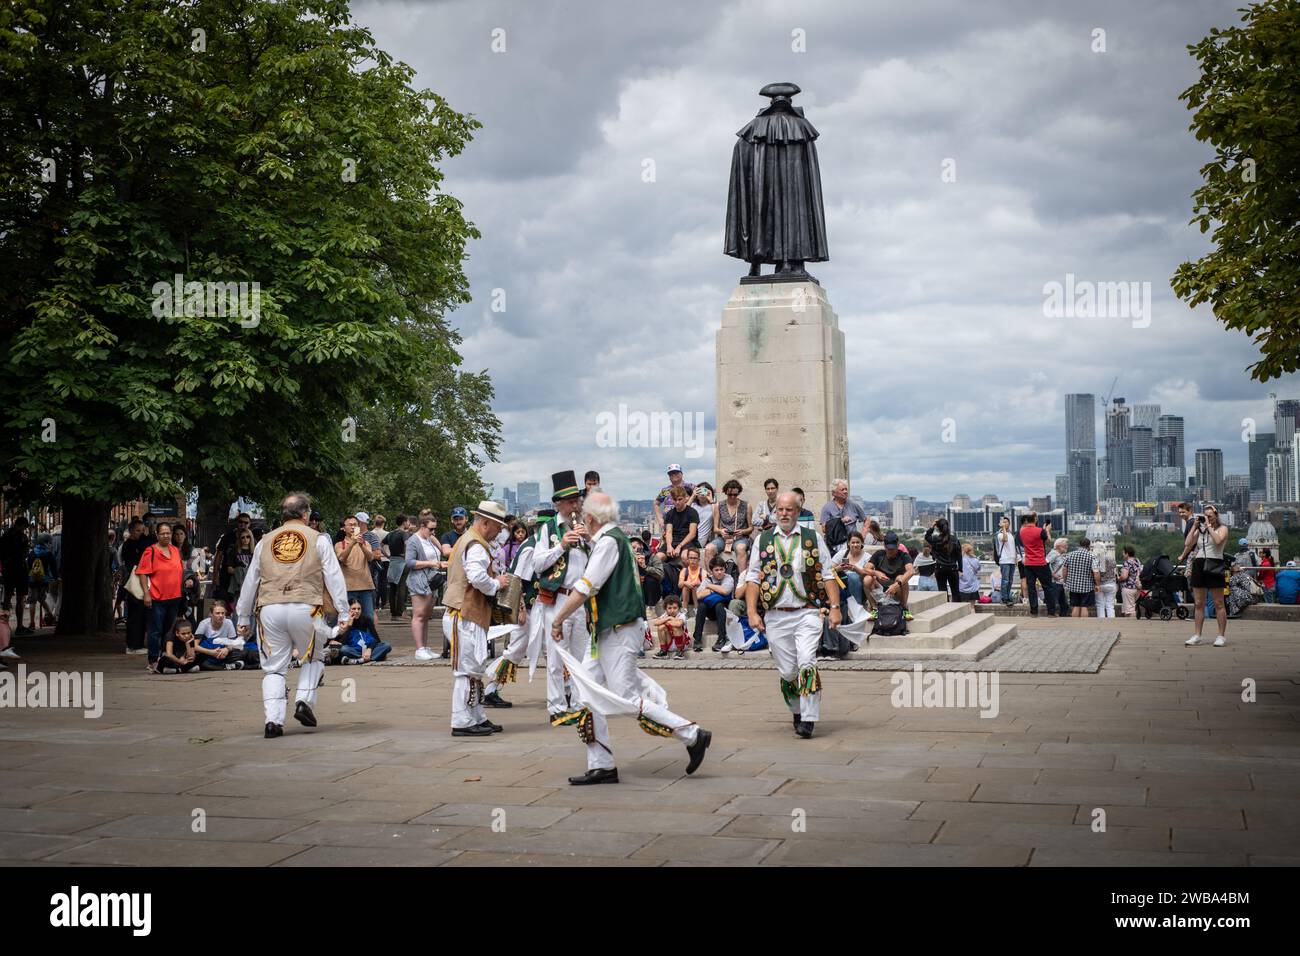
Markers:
<point>565,484</point>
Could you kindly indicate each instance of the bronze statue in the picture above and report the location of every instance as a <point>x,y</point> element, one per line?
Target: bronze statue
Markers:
<point>774,201</point>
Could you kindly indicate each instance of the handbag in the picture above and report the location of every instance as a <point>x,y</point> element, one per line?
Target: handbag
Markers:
<point>134,586</point>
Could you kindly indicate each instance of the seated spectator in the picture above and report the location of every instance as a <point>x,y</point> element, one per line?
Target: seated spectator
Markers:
<point>752,640</point>
<point>359,644</point>
<point>217,635</point>
<point>669,628</point>
<point>969,581</point>
<point>6,637</point>
<point>651,577</point>
<point>714,594</point>
<point>689,578</point>
<point>703,505</point>
<point>42,573</point>
<point>850,565</point>
<point>681,525</point>
<point>890,571</point>
<point>179,650</point>
<point>732,524</point>
<point>1243,589</point>
<point>1288,584</point>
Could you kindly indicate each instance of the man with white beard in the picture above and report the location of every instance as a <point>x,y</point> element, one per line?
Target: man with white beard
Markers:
<point>292,569</point>
<point>791,577</point>
<point>612,590</point>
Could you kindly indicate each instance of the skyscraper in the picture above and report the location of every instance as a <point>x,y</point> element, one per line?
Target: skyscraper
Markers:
<point>1146,416</point>
<point>1171,426</point>
<point>1119,450</point>
<point>1209,471</point>
<point>1062,488</point>
<point>529,494</point>
<point>1259,449</point>
<point>1080,452</point>
<point>904,512</point>
<point>1286,413</point>
<point>1279,483</point>
<point>1143,439</point>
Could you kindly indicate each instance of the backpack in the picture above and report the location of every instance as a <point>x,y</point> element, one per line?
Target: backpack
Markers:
<point>37,573</point>
<point>889,621</point>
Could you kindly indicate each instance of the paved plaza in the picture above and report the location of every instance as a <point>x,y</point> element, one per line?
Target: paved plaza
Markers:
<point>175,771</point>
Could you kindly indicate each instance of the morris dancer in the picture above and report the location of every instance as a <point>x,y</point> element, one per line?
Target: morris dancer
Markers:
<point>791,577</point>
<point>504,668</point>
<point>612,590</point>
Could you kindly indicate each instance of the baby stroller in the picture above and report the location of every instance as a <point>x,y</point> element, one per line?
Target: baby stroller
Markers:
<point>1160,581</point>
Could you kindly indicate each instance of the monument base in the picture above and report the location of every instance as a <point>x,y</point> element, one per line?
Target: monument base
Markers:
<point>781,403</point>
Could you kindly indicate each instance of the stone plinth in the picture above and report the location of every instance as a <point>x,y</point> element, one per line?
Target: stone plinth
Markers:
<point>780,390</point>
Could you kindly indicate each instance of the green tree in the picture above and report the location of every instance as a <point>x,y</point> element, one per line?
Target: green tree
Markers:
<point>221,141</point>
<point>1247,106</point>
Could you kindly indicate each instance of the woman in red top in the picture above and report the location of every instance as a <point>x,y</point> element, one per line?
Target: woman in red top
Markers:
<point>162,570</point>
<point>1268,579</point>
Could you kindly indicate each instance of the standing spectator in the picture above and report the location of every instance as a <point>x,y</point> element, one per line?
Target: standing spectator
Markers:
<point>1108,585</point>
<point>13,568</point>
<point>161,570</point>
<point>842,511</point>
<point>354,554</point>
<point>765,513</point>
<point>663,500</point>
<point>137,619</point>
<point>1209,571</point>
<point>969,580</point>
<point>925,580</point>
<point>1033,542</point>
<point>237,560</point>
<point>1267,576</point>
<point>372,539</point>
<point>946,550</point>
<point>423,560</point>
<point>1130,574</point>
<point>681,525</point>
<point>713,596</point>
<point>1082,578</point>
<point>590,482</point>
<point>1006,551</point>
<point>380,567</point>
<point>1186,524</point>
<point>459,520</point>
<point>42,573</point>
<point>190,583</point>
<point>7,651</point>
<point>1056,564</point>
<point>395,548</point>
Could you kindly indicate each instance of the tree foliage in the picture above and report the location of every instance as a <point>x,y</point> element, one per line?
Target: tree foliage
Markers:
<point>1247,106</point>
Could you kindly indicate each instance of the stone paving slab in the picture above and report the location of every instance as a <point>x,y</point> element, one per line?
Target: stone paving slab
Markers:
<point>1188,773</point>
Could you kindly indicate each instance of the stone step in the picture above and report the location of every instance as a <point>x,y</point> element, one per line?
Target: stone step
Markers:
<point>977,648</point>
<point>918,601</point>
<point>949,636</point>
<point>933,618</point>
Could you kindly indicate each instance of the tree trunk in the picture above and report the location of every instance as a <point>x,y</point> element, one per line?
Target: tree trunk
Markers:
<point>86,575</point>
<point>213,516</point>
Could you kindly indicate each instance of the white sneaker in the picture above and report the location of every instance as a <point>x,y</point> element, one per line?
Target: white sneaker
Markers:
<point>1194,641</point>
<point>424,654</point>
<point>137,650</point>
<point>9,652</point>
<point>1220,641</point>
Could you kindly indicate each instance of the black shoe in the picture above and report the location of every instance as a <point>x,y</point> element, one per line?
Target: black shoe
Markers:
<point>805,729</point>
<point>797,721</point>
<point>302,713</point>
<point>696,750</point>
<point>479,731</point>
<point>661,655</point>
<point>495,728</point>
<point>718,644</point>
<point>495,699</point>
<point>698,647</point>
<point>596,776</point>
<point>273,730</point>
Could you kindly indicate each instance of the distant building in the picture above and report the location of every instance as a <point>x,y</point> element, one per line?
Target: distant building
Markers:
<point>1209,472</point>
<point>1042,504</point>
<point>961,501</point>
<point>1260,446</point>
<point>1080,452</point>
<point>529,495</point>
<point>1119,449</point>
<point>903,513</point>
<point>1171,426</point>
<point>1146,416</point>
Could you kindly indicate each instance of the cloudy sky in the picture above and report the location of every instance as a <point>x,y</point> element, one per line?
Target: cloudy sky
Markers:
<point>1067,161</point>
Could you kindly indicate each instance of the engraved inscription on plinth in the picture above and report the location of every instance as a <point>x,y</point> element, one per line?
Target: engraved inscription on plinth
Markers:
<point>781,404</point>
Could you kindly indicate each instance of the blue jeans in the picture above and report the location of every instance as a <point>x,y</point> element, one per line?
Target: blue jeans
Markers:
<point>1008,574</point>
<point>162,616</point>
<point>367,599</point>
<point>852,588</point>
<point>377,653</point>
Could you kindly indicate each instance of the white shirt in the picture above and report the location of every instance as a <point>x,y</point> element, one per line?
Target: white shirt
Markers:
<point>524,564</point>
<point>475,560</point>
<point>1007,548</point>
<point>334,583</point>
<point>547,552</point>
<point>788,598</point>
<point>600,565</point>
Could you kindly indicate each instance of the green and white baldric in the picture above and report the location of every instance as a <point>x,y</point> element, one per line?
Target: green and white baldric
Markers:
<point>552,579</point>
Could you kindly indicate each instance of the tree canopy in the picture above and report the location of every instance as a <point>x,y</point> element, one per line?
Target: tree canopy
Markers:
<point>1247,106</point>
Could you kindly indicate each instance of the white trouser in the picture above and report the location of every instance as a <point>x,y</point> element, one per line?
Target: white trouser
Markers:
<point>1106,600</point>
<point>793,637</point>
<point>284,628</point>
<point>515,652</point>
<point>573,637</point>
<point>468,658</point>
<point>616,669</point>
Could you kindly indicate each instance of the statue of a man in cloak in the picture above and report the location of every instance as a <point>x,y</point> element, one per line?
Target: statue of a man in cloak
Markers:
<point>774,201</point>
